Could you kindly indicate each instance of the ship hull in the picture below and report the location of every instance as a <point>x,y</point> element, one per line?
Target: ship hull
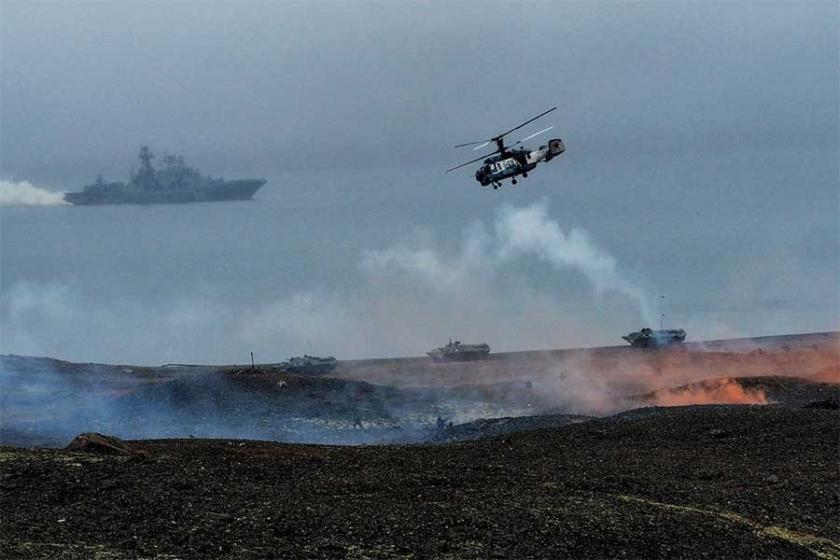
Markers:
<point>228,190</point>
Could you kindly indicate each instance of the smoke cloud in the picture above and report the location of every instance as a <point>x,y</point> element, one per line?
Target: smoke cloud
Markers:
<point>411,296</point>
<point>715,391</point>
<point>529,231</point>
<point>24,193</point>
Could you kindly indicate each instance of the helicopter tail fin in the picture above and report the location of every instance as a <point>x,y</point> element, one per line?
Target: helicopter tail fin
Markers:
<point>555,148</point>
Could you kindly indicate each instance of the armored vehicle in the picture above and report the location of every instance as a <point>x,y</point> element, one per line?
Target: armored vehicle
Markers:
<point>175,182</point>
<point>648,338</point>
<point>457,352</point>
<point>310,365</point>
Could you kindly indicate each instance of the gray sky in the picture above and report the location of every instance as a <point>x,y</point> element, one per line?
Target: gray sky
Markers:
<point>264,87</point>
<point>702,155</point>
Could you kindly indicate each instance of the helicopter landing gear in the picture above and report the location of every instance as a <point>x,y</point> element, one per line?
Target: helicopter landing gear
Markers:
<point>524,175</point>
<point>513,181</point>
<point>495,186</point>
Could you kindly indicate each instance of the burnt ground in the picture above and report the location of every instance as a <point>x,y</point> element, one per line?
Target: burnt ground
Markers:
<point>45,402</point>
<point>699,482</point>
<point>549,455</point>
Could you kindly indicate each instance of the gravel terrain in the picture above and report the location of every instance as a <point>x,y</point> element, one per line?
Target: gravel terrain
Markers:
<point>698,482</point>
<point>710,450</point>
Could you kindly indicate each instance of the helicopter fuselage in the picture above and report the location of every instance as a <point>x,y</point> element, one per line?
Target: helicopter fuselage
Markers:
<point>513,162</point>
<point>506,162</point>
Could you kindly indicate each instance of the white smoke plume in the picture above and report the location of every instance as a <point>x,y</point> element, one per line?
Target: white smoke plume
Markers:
<point>411,296</point>
<point>529,231</point>
<point>519,232</point>
<point>24,193</point>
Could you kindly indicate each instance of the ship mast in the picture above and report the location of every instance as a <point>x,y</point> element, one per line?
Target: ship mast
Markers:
<point>146,175</point>
<point>146,156</point>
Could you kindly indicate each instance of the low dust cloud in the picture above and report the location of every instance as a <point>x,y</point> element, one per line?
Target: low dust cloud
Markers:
<point>717,391</point>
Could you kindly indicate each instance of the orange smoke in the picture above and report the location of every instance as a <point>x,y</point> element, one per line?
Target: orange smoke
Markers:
<point>829,374</point>
<point>714,391</point>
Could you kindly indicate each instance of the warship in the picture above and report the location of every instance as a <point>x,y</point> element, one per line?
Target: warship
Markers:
<point>649,338</point>
<point>309,365</point>
<point>458,352</point>
<point>174,182</point>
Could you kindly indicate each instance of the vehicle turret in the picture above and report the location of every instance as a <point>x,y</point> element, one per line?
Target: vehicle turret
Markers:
<point>457,351</point>
<point>310,365</point>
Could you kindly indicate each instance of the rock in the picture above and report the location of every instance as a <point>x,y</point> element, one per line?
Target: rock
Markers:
<point>93,442</point>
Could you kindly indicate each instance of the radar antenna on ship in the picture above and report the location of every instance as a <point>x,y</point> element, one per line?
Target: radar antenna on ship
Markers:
<point>146,156</point>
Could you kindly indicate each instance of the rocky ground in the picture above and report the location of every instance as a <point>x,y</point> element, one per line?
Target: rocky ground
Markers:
<point>538,454</point>
<point>698,482</point>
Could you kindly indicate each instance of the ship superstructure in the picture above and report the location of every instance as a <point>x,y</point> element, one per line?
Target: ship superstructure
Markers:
<point>173,182</point>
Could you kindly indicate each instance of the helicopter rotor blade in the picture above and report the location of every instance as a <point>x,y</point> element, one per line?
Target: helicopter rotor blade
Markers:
<point>523,124</point>
<point>495,138</point>
<point>533,135</point>
<point>472,161</point>
<point>468,144</point>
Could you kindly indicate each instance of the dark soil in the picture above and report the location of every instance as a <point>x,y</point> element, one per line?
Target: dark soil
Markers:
<point>44,403</point>
<point>698,482</point>
<point>496,427</point>
<point>520,473</point>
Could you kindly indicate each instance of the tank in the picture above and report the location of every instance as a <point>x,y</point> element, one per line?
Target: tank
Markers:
<point>310,365</point>
<point>174,182</point>
<point>458,352</point>
<point>648,338</point>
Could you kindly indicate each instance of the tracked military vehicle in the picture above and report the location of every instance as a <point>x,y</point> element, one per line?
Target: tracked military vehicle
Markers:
<point>458,352</point>
<point>174,182</point>
<point>649,338</point>
<point>310,365</point>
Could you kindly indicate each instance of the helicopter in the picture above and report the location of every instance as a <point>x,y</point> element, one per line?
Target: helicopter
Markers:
<point>508,162</point>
